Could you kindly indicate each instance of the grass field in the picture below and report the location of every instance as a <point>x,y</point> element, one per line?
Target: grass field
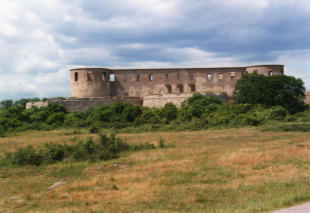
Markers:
<point>231,170</point>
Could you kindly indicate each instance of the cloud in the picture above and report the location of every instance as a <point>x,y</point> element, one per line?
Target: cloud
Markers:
<point>41,40</point>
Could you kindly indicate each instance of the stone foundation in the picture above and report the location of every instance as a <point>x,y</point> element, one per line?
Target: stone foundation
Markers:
<point>83,104</point>
<point>36,104</point>
<point>161,100</point>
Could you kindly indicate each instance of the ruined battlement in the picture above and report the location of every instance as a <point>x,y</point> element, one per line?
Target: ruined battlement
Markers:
<point>101,82</point>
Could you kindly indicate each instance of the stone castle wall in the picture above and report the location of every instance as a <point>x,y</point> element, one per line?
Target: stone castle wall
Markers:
<point>101,82</point>
<point>37,104</point>
<point>161,100</point>
<point>83,104</point>
<point>92,87</point>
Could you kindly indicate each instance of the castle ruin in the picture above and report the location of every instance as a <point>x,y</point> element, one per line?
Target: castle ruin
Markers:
<point>91,87</point>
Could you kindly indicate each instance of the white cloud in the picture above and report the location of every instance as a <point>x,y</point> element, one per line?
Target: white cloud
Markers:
<point>41,40</point>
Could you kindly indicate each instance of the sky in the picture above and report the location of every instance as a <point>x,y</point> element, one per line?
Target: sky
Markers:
<point>40,41</point>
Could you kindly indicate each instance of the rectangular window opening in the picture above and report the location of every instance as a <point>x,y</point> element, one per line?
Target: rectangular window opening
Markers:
<point>221,76</point>
<point>150,77</point>
<point>76,76</point>
<point>209,77</point>
<point>112,77</point>
<point>138,77</point>
<point>166,77</point>
<point>270,73</point>
<point>89,76</point>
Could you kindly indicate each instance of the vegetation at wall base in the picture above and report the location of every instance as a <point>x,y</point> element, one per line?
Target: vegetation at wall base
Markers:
<point>258,100</point>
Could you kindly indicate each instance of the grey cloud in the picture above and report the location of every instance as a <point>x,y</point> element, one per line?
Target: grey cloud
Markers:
<point>41,39</point>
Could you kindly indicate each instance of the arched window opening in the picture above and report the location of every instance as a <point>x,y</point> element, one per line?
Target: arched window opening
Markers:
<point>168,88</point>
<point>232,75</point>
<point>193,87</point>
<point>76,76</point>
<point>180,88</point>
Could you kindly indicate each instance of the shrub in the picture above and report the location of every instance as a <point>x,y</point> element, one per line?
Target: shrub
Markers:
<point>2,131</point>
<point>56,118</point>
<point>161,143</point>
<point>150,116</point>
<point>54,152</point>
<point>24,156</point>
<point>288,127</point>
<point>197,105</point>
<point>275,113</point>
<point>107,148</point>
<point>169,112</point>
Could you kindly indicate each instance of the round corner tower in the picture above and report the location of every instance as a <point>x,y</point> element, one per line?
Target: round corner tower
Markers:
<point>90,82</point>
<point>267,70</point>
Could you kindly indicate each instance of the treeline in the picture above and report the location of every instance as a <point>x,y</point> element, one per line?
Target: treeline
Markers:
<point>257,100</point>
<point>198,112</point>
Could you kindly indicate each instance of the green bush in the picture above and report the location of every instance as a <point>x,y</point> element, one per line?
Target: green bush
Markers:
<point>24,156</point>
<point>169,112</point>
<point>197,105</point>
<point>108,147</point>
<point>275,113</point>
<point>56,118</point>
<point>288,127</point>
<point>54,152</point>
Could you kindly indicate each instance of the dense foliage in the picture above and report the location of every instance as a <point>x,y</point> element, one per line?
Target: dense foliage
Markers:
<point>198,112</point>
<point>278,90</point>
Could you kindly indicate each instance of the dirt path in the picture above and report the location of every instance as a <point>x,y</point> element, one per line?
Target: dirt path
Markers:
<point>305,208</point>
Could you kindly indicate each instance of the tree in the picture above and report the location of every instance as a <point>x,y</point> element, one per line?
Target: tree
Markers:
<point>6,103</point>
<point>278,90</point>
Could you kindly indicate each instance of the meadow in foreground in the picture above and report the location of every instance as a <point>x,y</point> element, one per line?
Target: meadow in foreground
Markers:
<point>230,170</point>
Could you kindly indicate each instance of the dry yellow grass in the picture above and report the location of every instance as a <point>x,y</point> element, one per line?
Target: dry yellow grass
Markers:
<point>230,170</point>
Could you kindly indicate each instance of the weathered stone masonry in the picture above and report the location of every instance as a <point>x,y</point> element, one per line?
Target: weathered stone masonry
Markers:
<point>92,87</point>
<point>155,87</point>
<point>102,82</point>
